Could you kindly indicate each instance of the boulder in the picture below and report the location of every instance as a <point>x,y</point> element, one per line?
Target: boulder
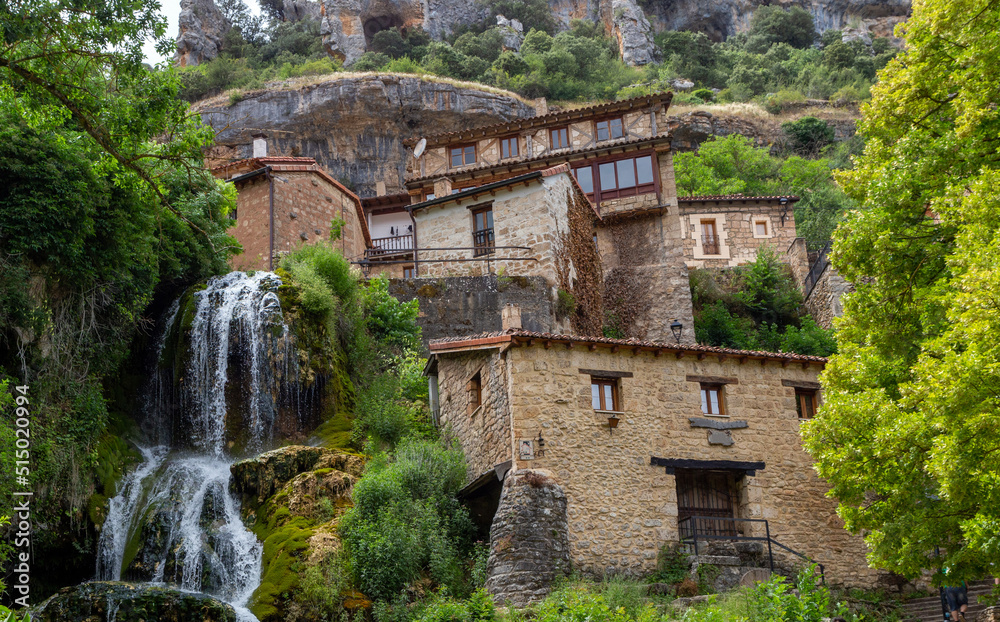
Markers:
<point>128,602</point>
<point>201,29</point>
<point>260,477</point>
<point>512,31</point>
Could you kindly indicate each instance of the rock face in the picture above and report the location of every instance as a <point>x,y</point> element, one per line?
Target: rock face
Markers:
<point>529,539</point>
<point>202,26</point>
<point>512,31</point>
<point>125,602</point>
<point>295,10</point>
<point>633,32</point>
<point>259,478</point>
<point>354,126</point>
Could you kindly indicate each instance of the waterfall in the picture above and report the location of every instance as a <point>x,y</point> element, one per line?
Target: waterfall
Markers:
<point>174,520</point>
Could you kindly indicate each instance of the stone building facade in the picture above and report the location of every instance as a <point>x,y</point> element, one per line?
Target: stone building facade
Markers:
<point>283,203</point>
<point>656,448</point>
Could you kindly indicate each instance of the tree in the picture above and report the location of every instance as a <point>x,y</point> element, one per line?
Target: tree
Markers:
<point>773,24</point>
<point>908,434</point>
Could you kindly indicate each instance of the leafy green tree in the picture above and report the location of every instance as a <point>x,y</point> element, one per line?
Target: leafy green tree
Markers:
<point>808,134</point>
<point>772,24</point>
<point>908,431</point>
<point>531,13</point>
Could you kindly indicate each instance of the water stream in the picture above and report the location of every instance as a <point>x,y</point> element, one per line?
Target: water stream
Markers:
<point>174,520</point>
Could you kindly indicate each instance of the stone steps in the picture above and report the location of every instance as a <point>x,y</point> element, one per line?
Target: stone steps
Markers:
<point>928,609</point>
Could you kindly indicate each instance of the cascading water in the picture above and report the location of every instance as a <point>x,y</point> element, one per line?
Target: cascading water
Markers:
<point>174,520</point>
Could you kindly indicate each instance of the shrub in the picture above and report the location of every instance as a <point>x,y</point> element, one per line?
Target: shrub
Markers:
<point>371,61</point>
<point>808,134</point>
<point>782,100</point>
<point>773,24</point>
<point>671,565</point>
<point>704,95</point>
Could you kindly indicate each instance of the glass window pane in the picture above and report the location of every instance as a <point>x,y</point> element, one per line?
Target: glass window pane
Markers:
<point>602,130</point>
<point>585,176</point>
<point>595,396</point>
<point>644,167</point>
<point>470,154</point>
<point>713,395</point>
<point>616,128</point>
<point>626,173</point>
<point>607,172</point>
<point>609,402</point>
<point>456,157</point>
<point>489,219</point>
<point>704,401</point>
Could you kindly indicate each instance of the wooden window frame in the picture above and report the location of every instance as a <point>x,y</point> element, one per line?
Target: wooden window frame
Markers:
<point>616,400</point>
<point>599,194</point>
<point>510,140</point>
<point>461,149</point>
<point>705,247</point>
<point>553,132</point>
<point>475,390</point>
<point>760,221</point>
<point>804,397</point>
<point>609,121</point>
<point>487,247</point>
<point>706,403</point>
<point>411,270</point>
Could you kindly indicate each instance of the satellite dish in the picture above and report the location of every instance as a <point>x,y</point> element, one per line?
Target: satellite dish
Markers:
<point>419,149</point>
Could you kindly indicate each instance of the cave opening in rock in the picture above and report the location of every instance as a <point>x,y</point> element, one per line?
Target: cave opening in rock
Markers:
<point>374,25</point>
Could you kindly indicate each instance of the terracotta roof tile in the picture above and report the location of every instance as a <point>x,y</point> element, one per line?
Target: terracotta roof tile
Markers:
<point>736,197</point>
<point>452,343</point>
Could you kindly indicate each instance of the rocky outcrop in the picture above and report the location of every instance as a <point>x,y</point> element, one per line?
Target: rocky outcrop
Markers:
<point>126,602</point>
<point>296,10</point>
<point>529,539</point>
<point>311,469</point>
<point>512,31</point>
<point>354,126</point>
<point>633,32</point>
<point>201,29</point>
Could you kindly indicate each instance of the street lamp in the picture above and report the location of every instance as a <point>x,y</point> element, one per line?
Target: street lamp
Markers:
<point>676,327</point>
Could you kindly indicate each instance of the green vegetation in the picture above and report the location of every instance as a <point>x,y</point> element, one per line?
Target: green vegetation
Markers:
<point>755,307</point>
<point>907,433</point>
<point>732,165</point>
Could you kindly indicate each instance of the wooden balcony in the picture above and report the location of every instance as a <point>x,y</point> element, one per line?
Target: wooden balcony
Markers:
<point>710,245</point>
<point>395,247</point>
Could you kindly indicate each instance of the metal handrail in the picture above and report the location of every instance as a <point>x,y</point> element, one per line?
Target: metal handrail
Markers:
<point>817,269</point>
<point>767,538</point>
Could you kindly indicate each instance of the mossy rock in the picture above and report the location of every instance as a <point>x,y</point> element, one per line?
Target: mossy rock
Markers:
<point>258,478</point>
<point>127,602</point>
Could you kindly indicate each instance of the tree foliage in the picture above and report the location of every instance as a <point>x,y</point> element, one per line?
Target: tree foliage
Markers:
<point>910,427</point>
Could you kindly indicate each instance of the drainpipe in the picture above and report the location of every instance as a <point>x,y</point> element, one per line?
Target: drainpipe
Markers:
<point>270,212</point>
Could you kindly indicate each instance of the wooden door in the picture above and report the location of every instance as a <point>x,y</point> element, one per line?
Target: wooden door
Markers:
<point>709,494</point>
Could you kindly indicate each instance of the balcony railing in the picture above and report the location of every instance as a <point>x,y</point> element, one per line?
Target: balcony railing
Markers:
<point>482,242</point>
<point>710,245</point>
<point>384,248</point>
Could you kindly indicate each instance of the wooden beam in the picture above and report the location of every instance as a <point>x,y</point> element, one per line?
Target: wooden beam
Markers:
<point>615,348</point>
<point>657,352</point>
<point>701,356</point>
<point>591,346</point>
<point>636,350</point>
<point>680,354</point>
<point>743,359</point>
<point>569,345</point>
<point>548,344</point>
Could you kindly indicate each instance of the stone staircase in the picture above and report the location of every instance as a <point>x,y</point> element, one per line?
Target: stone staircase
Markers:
<point>928,609</point>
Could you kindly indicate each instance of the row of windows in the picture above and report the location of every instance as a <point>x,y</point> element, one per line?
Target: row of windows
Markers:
<point>711,242</point>
<point>621,178</point>
<point>605,396</point>
<point>607,129</point>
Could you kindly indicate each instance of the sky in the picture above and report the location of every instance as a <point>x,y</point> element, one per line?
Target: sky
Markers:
<point>171,9</point>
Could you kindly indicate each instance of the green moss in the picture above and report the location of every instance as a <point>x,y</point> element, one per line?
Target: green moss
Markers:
<point>285,538</point>
<point>97,509</point>
<point>427,291</point>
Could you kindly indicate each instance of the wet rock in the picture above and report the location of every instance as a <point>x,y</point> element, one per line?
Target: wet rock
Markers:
<point>201,29</point>
<point>259,478</point>
<point>127,602</point>
<point>634,34</point>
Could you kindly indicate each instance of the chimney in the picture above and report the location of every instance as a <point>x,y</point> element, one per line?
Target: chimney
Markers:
<point>260,145</point>
<point>380,188</point>
<point>442,187</point>
<point>510,317</point>
<point>541,106</point>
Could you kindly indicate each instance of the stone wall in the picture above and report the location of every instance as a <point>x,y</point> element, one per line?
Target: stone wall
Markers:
<point>484,432</point>
<point>990,614</point>
<point>621,509</point>
<point>529,544</point>
<point>305,204</point>
<point>735,226</point>
<point>458,306</point>
<point>824,301</point>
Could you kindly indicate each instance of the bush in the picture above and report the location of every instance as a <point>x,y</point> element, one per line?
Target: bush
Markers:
<point>773,24</point>
<point>808,134</point>
<point>370,61</point>
<point>704,95</point>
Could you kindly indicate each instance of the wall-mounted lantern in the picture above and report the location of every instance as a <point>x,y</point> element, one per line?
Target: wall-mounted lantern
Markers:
<point>612,423</point>
<point>541,445</point>
<point>676,327</point>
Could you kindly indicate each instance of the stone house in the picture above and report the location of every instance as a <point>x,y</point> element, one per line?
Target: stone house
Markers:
<point>283,203</point>
<point>640,437</point>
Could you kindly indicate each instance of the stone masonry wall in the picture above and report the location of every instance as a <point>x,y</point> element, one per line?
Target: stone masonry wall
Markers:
<point>484,432</point>
<point>621,509</point>
<point>824,302</point>
<point>457,306</point>
<point>734,222</point>
<point>529,546</point>
<point>305,204</point>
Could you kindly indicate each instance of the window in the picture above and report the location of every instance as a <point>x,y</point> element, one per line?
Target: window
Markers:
<point>604,394</point>
<point>760,228</point>
<point>559,138</point>
<point>482,231</point>
<point>712,399</point>
<point>430,195</point>
<point>508,147</point>
<point>709,238</point>
<point>805,403</point>
<point>610,129</point>
<point>585,177</point>
<point>462,155</point>
<point>232,214</point>
<point>408,272</point>
<point>621,178</point>
<point>475,389</point>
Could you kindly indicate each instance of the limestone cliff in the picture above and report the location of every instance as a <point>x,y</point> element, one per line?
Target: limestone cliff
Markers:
<point>354,125</point>
<point>202,26</point>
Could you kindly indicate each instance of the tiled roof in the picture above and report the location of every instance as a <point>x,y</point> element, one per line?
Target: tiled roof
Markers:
<point>545,119</point>
<point>550,156</point>
<point>264,160</point>
<point>737,197</point>
<point>519,336</point>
